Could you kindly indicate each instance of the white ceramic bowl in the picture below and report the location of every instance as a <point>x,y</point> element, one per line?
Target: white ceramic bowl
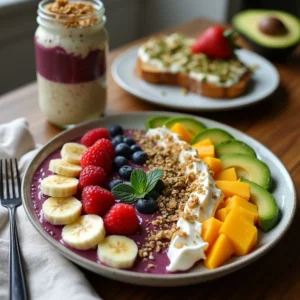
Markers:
<point>284,193</point>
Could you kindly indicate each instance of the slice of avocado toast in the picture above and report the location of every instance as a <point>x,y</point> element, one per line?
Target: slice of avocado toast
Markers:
<point>157,121</point>
<point>268,210</point>
<point>233,146</point>
<point>191,124</point>
<point>249,167</point>
<point>216,135</point>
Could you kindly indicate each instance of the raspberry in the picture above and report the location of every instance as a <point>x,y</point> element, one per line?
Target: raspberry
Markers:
<point>92,136</point>
<point>105,146</point>
<point>96,200</point>
<point>95,157</point>
<point>121,219</point>
<point>92,175</point>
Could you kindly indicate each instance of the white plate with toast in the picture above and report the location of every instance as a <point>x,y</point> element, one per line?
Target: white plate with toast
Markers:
<point>263,83</point>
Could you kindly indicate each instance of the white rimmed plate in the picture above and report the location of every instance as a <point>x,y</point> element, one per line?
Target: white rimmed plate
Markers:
<point>284,193</point>
<point>263,83</point>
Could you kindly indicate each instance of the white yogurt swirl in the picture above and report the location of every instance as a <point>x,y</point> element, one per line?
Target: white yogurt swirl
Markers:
<point>187,246</point>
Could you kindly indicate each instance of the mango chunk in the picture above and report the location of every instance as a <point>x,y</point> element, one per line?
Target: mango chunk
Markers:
<point>210,231</point>
<point>206,150</point>
<point>251,216</point>
<point>220,251</point>
<point>214,164</point>
<point>241,233</point>
<point>236,201</point>
<point>183,133</point>
<point>221,205</point>
<point>227,174</point>
<point>222,213</point>
<point>234,188</point>
<point>203,143</point>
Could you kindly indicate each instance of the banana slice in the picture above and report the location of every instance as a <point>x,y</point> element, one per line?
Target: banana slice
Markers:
<point>85,233</point>
<point>61,211</point>
<point>72,152</point>
<point>62,167</point>
<point>59,186</point>
<point>117,251</point>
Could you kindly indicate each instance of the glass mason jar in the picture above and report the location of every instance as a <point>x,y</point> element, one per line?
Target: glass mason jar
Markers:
<point>71,55</point>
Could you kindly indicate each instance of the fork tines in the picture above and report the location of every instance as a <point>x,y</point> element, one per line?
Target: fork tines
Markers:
<point>10,183</point>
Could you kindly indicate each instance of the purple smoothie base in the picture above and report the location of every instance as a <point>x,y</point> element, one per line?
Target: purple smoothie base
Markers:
<point>55,64</point>
<point>160,261</point>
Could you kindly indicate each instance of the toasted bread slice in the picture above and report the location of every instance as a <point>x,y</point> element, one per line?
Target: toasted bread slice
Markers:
<point>152,74</point>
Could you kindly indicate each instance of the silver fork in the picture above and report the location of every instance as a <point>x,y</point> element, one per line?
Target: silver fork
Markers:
<point>11,200</point>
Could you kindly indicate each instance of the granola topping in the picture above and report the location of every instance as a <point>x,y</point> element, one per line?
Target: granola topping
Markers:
<point>185,202</point>
<point>73,14</point>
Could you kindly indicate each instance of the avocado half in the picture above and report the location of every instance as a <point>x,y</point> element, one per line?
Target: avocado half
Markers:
<point>271,33</point>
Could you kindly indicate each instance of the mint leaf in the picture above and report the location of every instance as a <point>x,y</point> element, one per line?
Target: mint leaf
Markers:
<point>125,192</point>
<point>152,179</point>
<point>138,180</point>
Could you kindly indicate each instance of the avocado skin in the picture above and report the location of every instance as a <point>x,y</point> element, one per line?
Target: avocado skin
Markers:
<point>276,54</point>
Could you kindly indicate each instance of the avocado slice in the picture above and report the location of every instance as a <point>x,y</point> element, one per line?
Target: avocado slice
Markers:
<point>216,135</point>
<point>191,124</point>
<point>248,167</point>
<point>233,146</point>
<point>272,33</point>
<point>155,122</point>
<point>268,210</point>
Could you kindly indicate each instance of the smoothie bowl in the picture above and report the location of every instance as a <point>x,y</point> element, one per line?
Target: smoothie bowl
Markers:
<point>172,199</point>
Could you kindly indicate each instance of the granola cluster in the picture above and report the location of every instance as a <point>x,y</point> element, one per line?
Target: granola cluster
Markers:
<point>73,14</point>
<point>178,188</point>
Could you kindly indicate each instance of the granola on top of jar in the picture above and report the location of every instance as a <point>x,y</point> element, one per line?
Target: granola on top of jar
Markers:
<point>73,14</point>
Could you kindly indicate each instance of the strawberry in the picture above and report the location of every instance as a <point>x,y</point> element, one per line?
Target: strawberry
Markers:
<point>213,43</point>
<point>95,157</point>
<point>105,146</point>
<point>121,219</point>
<point>96,200</point>
<point>92,136</point>
<point>92,175</point>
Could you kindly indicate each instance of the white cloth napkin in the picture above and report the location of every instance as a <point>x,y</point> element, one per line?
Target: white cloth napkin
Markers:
<point>49,275</point>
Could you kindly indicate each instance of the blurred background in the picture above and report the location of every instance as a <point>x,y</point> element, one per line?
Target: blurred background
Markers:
<point>127,20</point>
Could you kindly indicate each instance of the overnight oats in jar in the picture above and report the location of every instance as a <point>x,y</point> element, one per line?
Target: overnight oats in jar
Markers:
<point>71,44</point>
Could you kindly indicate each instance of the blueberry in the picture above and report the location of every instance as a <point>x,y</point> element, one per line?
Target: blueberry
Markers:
<point>117,140</point>
<point>153,194</point>
<point>146,206</point>
<point>159,186</point>
<point>139,157</point>
<point>114,183</point>
<point>123,150</point>
<point>125,172</point>
<point>115,130</point>
<point>135,148</point>
<point>129,141</point>
<point>119,162</point>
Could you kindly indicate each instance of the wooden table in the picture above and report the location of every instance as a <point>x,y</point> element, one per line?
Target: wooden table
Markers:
<point>274,122</point>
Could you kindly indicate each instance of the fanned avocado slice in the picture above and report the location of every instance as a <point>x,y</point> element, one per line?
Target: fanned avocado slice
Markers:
<point>216,135</point>
<point>155,122</point>
<point>193,125</point>
<point>233,146</point>
<point>248,167</point>
<point>268,210</point>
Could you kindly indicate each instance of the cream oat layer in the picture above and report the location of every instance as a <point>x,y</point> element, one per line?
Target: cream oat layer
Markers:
<point>187,246</point>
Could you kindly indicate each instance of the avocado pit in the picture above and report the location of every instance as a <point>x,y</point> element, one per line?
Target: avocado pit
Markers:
<point>272,26</point>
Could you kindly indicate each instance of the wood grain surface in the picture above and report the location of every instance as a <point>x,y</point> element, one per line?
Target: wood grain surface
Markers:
<point>274,122</point>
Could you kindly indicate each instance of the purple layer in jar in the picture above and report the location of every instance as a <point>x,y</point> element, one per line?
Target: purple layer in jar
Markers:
<point>55,64</point>
<point>161,260</point>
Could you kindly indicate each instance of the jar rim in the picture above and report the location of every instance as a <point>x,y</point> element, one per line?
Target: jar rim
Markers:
<point>64,18</point>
